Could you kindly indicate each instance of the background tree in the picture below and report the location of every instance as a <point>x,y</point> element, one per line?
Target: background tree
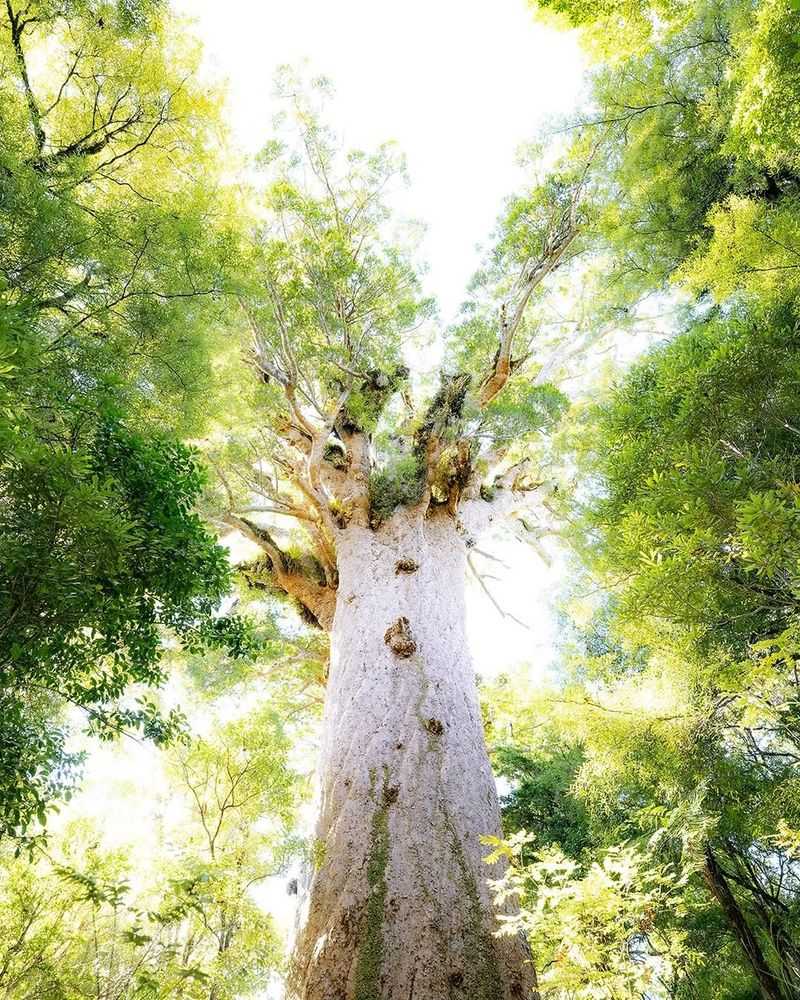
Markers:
<point>113,247</point>
<point>728,614</point>
<point>676,497</point>
<point>83,922</point>
<point>243,796</point>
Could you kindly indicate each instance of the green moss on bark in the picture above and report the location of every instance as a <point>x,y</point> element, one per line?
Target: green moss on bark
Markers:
<point>399,484</point>
<point>370,952</point>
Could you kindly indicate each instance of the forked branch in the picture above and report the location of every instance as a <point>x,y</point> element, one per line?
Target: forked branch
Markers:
<point>560,235</point>
<point>304,580</point>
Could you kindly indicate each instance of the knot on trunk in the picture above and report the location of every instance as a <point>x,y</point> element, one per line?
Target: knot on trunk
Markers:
<point>391,794</point>
<point>434,727</point>
<point>405,566</point>
<point>399,639</point>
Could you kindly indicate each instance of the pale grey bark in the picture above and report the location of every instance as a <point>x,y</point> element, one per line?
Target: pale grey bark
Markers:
<point>398,907</point>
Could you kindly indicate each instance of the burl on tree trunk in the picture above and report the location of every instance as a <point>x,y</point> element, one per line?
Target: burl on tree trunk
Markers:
<point>399,905</point>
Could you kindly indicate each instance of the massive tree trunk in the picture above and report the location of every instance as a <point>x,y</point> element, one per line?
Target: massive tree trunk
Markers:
<point>398,907</point>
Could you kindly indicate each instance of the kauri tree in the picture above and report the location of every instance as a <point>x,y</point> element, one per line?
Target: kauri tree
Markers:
<point>384,495</point>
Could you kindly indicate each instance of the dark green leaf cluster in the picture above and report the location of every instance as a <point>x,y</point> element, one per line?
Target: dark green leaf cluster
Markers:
<point>522,409</point>
<point>100,552</point>
<point>541,798</point>
<point>698,456</point>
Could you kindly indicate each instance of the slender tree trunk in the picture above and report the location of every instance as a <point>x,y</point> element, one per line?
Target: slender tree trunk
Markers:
<point>768,983</point>
<point>771,915</point>
<point>398,907</point>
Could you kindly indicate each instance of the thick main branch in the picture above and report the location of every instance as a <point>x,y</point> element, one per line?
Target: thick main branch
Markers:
<point>302,579</point>
<point>18,25</point>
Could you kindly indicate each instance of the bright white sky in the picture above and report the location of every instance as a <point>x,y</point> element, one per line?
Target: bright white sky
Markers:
<point>458,84</point>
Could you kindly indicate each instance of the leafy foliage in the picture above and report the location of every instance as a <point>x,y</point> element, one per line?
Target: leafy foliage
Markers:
<point>541,799</point>
<point>697,455</point>
<point>398,484</point>
<point>692,116</point>
<point>595,932</point>
<point>678,692</point>
<point>82,922</point>
<point>114,253</point>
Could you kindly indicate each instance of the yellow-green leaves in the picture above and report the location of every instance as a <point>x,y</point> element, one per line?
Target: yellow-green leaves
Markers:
<point>600,931</point>
<point>765,117</point>
<point>331,290</point>
<point>753,249</point>
<point>768,531</point>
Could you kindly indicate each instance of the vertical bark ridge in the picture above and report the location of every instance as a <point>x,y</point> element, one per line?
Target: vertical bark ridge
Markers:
<point>399,909</point>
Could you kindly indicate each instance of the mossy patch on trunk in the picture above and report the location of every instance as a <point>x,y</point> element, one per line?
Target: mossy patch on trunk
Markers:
<point>370,951</point>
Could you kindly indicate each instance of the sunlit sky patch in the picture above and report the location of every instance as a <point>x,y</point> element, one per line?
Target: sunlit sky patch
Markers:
<point>458,85</point>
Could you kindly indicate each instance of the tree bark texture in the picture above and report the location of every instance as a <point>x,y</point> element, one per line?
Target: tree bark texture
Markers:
<point>398,907</point>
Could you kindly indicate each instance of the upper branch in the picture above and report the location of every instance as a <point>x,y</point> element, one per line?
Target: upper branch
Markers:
<point>560,234</point>
<point>306,434</point>
<point>533,274</point>
<point>18,25</point>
